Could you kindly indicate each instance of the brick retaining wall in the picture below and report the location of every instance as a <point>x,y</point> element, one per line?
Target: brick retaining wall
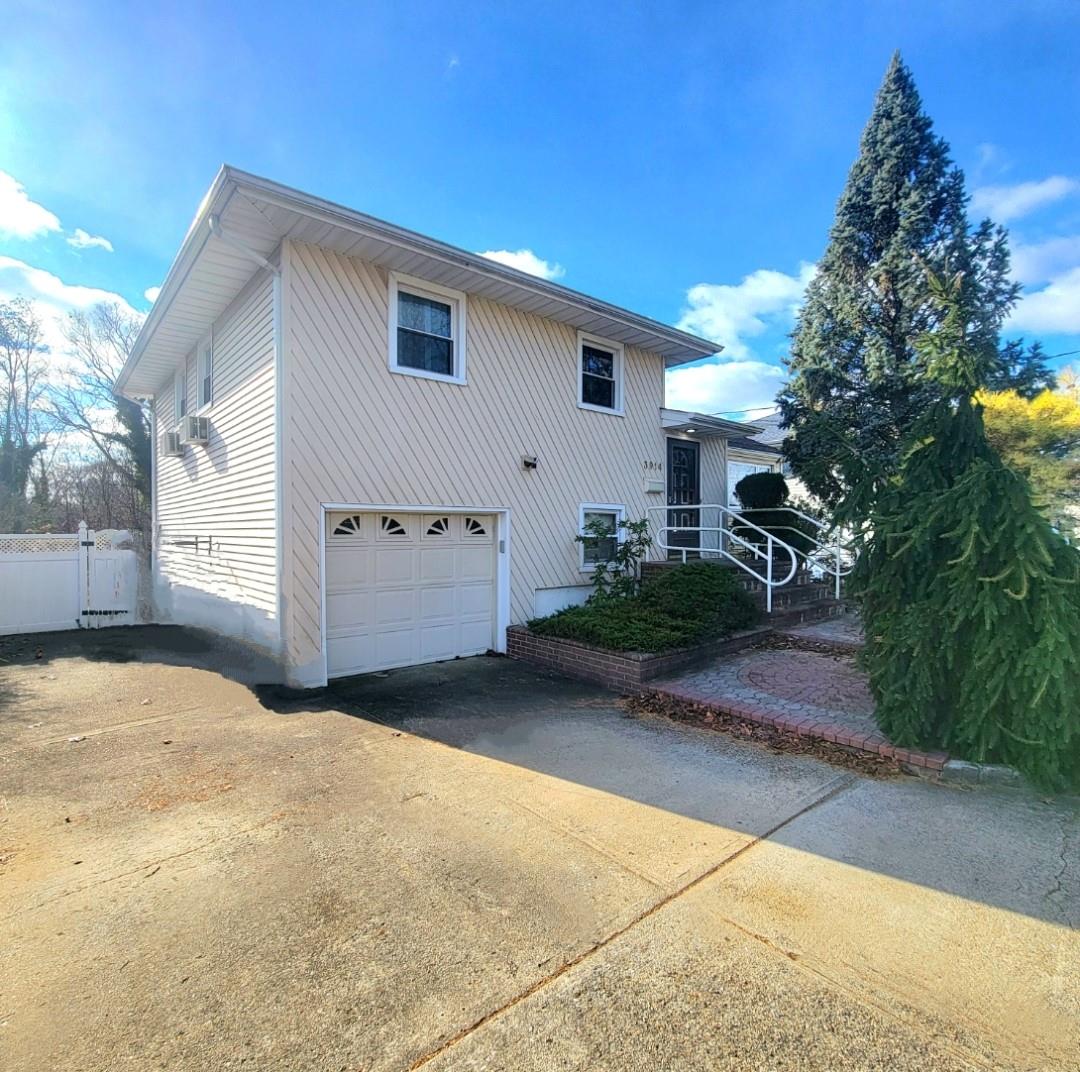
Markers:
<point>625,671</point>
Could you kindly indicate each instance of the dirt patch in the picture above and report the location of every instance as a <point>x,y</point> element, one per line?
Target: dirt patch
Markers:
<point>775,740</point>
<point>195,787</point>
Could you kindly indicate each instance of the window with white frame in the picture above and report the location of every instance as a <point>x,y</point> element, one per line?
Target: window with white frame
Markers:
<point>180,395</point>
<point>600,367</point>
<point>596,549</point>
<point>736,471</point>
<point>205,386</point>
<point>427,330</point>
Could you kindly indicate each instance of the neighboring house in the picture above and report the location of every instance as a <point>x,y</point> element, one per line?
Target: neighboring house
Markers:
<point>402,438</point>
<point>761,453</point>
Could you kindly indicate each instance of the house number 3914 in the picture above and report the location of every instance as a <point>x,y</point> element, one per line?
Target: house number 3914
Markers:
<point>651,467</point>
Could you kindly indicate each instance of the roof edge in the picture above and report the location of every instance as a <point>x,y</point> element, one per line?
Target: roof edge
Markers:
<point>293,197</point>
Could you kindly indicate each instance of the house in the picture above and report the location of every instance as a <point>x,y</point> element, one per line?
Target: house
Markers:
<point>762,452</point>
<point>373,449</point>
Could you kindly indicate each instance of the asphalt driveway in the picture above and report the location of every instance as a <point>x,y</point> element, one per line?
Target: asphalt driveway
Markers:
<point>479,866</point>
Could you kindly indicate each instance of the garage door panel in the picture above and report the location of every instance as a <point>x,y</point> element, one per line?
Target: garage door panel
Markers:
<point>348,654</point>
<point>394,566</point>
<point>348,611</point>
<point>439,642</point>
<point>475,563</point>
<point>394,648</point>
<point>475,637</point>
<point>437,603</point>
<point>476,599</point>
<point>394,606</point>
<point>407,588</point>
<point>436,564</point>
<point>350,567</point>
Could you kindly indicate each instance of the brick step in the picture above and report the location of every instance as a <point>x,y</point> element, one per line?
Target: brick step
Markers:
<point>792,594</point>
<point>798,613</point>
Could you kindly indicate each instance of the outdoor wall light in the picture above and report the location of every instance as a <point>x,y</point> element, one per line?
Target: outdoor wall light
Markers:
<point>529,461</point>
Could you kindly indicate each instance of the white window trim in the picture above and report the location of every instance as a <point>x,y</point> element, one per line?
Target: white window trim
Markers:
<point>201,406</point>
<point>618,509</point>
<point>179,394</point>
<point>616,348</point>
<point>458,325</point>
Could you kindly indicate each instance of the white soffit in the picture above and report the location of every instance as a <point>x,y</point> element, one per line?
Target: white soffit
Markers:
<point>209,273</point>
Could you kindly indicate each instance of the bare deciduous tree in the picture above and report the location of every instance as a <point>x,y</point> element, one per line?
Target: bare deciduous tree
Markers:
<point>22,384</point>
<point>86,403</point>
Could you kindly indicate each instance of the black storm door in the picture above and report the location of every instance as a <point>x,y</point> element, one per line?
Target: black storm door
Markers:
<point>684,490</point>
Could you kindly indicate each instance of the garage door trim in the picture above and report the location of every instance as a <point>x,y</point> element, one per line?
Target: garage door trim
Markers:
<point>502,557</point>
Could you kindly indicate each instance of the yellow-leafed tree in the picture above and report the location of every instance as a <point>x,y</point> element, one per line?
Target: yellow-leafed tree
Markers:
<point>1040,437</point>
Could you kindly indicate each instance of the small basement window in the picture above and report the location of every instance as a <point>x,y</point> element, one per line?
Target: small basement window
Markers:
<point>427,330</point>
<point>600,549</point>
<point>600,374</point>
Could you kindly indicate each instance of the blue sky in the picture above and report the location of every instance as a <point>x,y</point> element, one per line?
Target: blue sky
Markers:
<point>683,160</point>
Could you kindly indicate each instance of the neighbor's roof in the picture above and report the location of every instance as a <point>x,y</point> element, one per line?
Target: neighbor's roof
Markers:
<point>773,433</point>
<point>210,271</point>
<point>755,445</point>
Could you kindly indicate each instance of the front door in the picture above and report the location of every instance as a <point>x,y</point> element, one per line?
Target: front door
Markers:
<point>684,490</point>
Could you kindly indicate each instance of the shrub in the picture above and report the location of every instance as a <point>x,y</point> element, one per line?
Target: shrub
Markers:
<point>681,606</point>
<point>762,491</point>
<point>622,625</point>
<point>702,592</point>
<point>766,494</point>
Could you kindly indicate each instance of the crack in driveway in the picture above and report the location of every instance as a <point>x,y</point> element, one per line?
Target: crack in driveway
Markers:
<point>832,790</point>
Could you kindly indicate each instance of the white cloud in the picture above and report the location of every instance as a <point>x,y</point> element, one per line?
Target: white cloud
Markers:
<point>80,239</point>
<point>151,294</point>
<point>19,216</point>
<point>524,260</point>
<point>51,297</point>
<point>1042,261</point>
<point>719,386</point>
<point>1004,203</point>
<point>764,300</point>
<point>1053,310</point>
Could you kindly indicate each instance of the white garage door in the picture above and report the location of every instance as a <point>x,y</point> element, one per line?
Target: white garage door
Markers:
<point>407,588</point>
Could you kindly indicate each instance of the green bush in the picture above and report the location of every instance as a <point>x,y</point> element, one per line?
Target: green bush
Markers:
<point>762,491</point>
<point>683,605</point>
<point>701,592</point>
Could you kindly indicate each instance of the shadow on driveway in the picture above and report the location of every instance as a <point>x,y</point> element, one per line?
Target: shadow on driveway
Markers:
<point>1010,849</point>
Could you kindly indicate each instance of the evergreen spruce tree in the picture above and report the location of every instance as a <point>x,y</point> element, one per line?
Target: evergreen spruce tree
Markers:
<point>857,382</point>
<point>970,599</point>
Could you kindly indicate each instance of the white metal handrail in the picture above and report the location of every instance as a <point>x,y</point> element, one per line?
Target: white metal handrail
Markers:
<point>773,544</point>
<point>829,557</point>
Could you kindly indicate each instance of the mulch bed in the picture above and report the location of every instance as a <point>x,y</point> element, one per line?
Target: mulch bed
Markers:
<point>775,740</point>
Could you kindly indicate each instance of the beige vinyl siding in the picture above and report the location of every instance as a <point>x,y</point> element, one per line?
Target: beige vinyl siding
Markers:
<point>357,433</point>
<point>225,491</point>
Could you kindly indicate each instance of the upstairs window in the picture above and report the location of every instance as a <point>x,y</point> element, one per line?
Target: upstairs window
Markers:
<point>600,375</point>
<point>206,373</point>
<point>427,330</point>
<point>180,395</point>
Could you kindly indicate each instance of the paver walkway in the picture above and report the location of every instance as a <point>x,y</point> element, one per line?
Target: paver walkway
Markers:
<point>843,633</point>
<point>819,694</point>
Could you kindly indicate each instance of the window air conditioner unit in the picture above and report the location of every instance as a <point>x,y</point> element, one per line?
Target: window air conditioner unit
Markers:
<point>194,430</point>
<point>171,446</point>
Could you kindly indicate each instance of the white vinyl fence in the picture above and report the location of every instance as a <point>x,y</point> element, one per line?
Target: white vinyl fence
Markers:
<point>82,580</point>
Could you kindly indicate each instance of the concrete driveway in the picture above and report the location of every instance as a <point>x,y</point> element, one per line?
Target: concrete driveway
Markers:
<point>478,866</point>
